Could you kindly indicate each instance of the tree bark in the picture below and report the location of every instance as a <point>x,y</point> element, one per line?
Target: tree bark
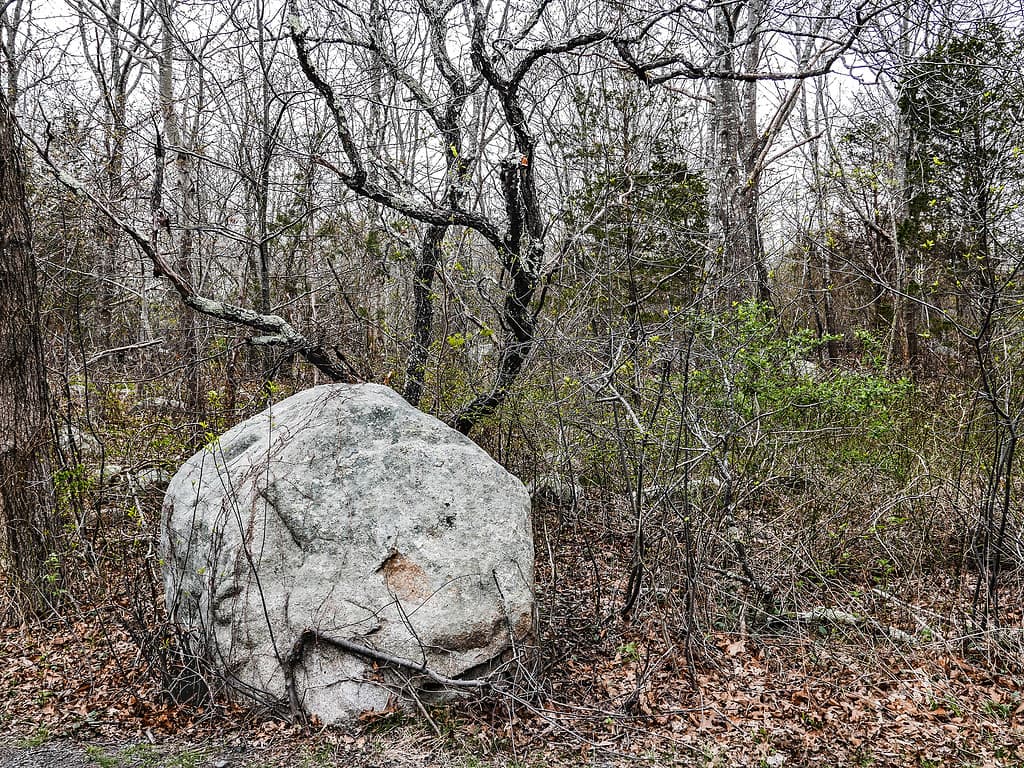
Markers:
<point>26,485</point>
<point>741,269</point>
<point>423,312</point>
<point>184,205</point>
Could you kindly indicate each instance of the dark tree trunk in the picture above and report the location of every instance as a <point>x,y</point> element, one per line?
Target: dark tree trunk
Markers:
<point>26,486</point>
<point>423,312</point>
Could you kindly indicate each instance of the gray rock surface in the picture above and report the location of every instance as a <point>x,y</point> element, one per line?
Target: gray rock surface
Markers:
<point>345,511</point>
<point>78,442</point>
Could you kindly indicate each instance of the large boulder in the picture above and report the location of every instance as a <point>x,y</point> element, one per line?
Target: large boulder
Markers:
<point>342,513</point>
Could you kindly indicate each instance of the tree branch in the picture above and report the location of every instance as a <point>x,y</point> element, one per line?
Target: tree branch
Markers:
<point>278,330</point>
<point>312,636</point>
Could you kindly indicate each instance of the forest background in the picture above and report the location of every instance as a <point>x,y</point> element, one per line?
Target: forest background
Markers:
<point>735,288</point>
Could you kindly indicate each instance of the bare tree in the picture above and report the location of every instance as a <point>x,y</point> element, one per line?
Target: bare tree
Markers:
<point>438,114</point>
<point>11,18</point>
<point>183,199</point>
<point>502,55</point>
<point>734,58</point>
<point>112,38</point>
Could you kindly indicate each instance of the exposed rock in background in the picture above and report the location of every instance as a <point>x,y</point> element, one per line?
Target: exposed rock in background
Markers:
<point>152,477</point>
<point>79,443</point>
<point>159,404</point>
<point>342,512</point>
<point>556,491</point>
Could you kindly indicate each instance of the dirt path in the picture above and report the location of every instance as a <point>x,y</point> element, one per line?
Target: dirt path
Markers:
<point>66,753</point>
<point>60,753</point>
<point>55,755</point>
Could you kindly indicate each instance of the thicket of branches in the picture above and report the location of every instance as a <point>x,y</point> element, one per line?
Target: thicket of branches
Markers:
<point>736,287</point>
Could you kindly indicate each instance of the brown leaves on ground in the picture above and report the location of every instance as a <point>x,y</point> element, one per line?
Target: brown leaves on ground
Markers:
<point>612,691</point>
<point>81,676</point>
<point>812,702</point>
<point>764,702</point>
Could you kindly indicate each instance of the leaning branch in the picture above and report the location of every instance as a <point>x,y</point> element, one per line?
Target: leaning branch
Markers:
<point>118,350</point>
<point>277,331</point>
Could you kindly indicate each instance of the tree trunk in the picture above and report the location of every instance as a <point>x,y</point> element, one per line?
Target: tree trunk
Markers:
<point>26,486</point>
<point>423,313</point>
<point>741,269</point>
<point>184,205</point>
<point>725,148</point>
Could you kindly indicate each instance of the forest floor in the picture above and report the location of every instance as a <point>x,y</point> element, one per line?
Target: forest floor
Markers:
<point>77,694</point>
<point>892,674</point>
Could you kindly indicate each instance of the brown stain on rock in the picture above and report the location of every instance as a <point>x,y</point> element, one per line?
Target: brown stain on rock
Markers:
<point>404,577</point>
